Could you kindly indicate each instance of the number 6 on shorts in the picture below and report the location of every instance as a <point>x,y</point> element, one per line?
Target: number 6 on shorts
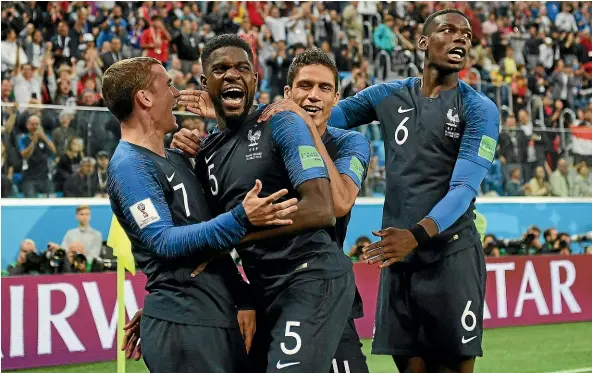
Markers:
<point>294,335</point>
<point>471,314</point>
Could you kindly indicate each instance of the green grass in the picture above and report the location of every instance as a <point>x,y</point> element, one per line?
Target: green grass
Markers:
<point>532,349</point>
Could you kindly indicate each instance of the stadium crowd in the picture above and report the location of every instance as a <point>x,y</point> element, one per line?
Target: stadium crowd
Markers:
<point>532,58</point>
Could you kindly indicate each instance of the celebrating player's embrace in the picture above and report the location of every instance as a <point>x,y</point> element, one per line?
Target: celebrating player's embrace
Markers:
<point>440,138</point>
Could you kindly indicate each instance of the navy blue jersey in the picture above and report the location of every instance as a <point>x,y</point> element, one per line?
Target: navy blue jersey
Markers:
<point>350,152</point>
<point>163,210</point>
<point>425,141</point>
<point>281,154</point>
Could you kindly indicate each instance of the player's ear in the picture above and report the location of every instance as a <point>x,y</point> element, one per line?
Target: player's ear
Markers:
<point>145,98</point>
<point>256,78</point>
<point>422,43</point>
<point>336,99</point>
<point>287,92</point>
<point>204,82</point>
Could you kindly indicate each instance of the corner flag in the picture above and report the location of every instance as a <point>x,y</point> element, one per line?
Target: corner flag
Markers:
<point>122,249</point>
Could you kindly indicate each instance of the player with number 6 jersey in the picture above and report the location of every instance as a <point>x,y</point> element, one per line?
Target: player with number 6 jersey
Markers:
<point>440,138</point>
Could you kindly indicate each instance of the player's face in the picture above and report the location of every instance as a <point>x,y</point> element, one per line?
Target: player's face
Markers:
<point>164,99</point>
<point>314,90</point>
<point>231,82</point>
<point>449,42</point>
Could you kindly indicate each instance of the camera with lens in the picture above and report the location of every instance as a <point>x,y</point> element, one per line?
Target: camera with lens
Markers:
<point>582,237</point>
<point>104,264</point>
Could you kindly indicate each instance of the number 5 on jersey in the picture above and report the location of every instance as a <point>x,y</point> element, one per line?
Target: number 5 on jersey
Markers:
<point>214,182</point>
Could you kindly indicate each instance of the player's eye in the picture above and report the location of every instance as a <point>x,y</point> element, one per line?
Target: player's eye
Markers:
<point>244,68</point>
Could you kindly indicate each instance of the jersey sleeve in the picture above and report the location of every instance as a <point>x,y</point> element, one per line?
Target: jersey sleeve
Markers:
<point>353,156</point>
<point>294,142</point>
<point>361,108</point>
<point>135,189</point>
<point>475,157</point>
<point>481,134</point>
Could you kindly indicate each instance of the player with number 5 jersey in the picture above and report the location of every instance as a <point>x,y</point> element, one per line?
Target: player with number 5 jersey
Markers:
<point>304,284</point>
<point>440,137</point>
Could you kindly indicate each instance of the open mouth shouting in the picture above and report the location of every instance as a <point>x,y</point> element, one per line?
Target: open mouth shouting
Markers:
<point>457,54</point>
<point>233,97</point>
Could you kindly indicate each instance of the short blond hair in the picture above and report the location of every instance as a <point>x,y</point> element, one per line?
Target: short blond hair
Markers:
<point>82,207</point>
<point>123,80</point>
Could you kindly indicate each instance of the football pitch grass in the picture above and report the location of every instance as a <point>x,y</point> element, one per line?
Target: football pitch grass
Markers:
<point>565,348</point>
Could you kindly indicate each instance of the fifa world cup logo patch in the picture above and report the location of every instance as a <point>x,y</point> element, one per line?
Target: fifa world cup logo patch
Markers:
<point>142,209</point>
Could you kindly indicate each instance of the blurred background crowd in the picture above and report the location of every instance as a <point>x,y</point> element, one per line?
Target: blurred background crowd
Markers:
<point>531,58</point>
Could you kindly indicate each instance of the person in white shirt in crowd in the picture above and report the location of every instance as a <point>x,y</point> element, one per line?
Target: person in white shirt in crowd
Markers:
<point>565,21</point>
<point>10,50</point>
<point>91,239</point>
<point>581,182</point>
<point>559,180</point>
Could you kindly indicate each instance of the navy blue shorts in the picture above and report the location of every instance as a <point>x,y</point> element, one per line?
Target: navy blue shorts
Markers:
<point>170,347</point>
<point>432,310</point>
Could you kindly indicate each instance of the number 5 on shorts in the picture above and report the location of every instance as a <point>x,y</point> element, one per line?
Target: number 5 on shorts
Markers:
<point>294,335</point>
<point>468,313</point>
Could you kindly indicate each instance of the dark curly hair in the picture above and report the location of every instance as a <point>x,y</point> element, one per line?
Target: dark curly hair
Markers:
<point>428,23</point>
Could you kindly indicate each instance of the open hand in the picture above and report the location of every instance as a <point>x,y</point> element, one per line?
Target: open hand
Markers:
<point>197,102</point>
<point>187,141</point>
<point>263,211</point>
<point>394,245</point>
<point>247,324</point>
<point>131,339</point>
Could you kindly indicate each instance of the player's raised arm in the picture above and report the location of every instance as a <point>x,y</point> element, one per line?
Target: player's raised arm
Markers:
<point>308,175</point>
<point>361,108</point>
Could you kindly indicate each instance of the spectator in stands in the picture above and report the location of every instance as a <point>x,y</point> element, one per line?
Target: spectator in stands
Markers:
<point>65,47</point>
<point>90,239</point>
<point>565,21</point>
<point>299,26</point>
<point>89,68</point>
<point>581,183</point>
<point>7,174</point>
<point>384,35</point>
<point>102,166</point>
<point>559,180</point>
<point>68,163</point>
<point>155,40</point>
<point>550,236</point>
<point>96,138</point>
<point>513,144</point>
<point>186,43</point>
<point>36,148</point>
<point>84,182</point>
<point>353,22</point>
<point>278,65</point>
<point>537,82</point>
<point>538,186</point>
<point>547,54</point>
<point>535,150</point>
<point>562,84</point>
<point>62,135</point>
<point>12,51</point>
<point>116,54</point>
<point>264,98</point>
<point>514,186</point>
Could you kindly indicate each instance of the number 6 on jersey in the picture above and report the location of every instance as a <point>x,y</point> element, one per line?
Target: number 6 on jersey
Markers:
<point>401,127</point>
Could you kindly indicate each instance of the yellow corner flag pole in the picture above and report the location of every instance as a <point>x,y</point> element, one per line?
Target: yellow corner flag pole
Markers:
<point>122,249</point>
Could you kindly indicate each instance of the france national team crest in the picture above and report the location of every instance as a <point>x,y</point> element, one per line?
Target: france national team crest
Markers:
<point>452,122</point>
<point>253,147</point>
